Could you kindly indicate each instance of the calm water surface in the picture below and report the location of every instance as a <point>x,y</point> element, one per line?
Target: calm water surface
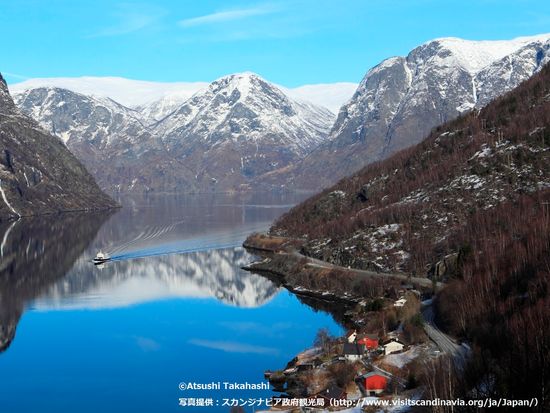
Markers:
<point>173,306</point>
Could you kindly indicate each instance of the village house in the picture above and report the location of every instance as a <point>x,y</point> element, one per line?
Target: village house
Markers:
<point>353,351</point>
<point>370,341</point>
<point>332,392</point>
<point>393,346</point>
<point>375,383</point>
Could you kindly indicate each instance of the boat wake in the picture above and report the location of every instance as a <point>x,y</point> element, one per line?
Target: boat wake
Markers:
<point>158,241</point>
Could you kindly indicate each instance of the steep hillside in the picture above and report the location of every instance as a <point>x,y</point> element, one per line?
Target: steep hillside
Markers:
<point>402,213</point>
<point>38,174</point>
<point>78,118</point>
<point>399,101</point>
<point>470,205</point>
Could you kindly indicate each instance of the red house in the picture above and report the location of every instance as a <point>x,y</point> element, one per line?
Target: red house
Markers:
<point>370,341</point>
<point>375,383</point>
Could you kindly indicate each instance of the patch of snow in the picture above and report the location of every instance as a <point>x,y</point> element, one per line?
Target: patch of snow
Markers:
<point>483,153</point>
<point>338,194</point>
<point>401,359</point>
<point>6,200</point>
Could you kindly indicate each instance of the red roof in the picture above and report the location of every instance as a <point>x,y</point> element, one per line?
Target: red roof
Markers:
<point>369,342</point>
<point>375,381</point>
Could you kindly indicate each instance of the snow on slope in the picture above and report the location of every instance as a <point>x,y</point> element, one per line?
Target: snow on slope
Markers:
<point>474,55</point>
<point>77,117</point>
<point>244,105</point>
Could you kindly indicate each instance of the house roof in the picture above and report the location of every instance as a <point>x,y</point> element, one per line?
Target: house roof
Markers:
<point>393,341</point>
<point>354,349</point>
<point>333,392</point>
<point>370,336</point>
<point>374,373</point>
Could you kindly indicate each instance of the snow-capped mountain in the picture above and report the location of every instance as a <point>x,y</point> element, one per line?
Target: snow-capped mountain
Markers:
<point>158,99</point>
<point>222,138</point>
<point>75,117</point>
<point>38,174</point>
<point>102,133</point>
<point>240,128</point>
<point>157,110</point>
<point>399,101</point>
<point>244,109</point>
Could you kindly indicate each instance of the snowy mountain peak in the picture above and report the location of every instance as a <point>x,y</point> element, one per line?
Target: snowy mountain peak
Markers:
<point>158,99</point>
<point>244,83</point>
<point>76,117</point>
<point>401,99</point>
<point>245,106</point>
<point>474,55</point>
<point>224,136</point>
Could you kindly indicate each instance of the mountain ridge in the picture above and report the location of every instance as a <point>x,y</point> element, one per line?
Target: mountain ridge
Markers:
<point>141,93</point>
<point>223,137</point>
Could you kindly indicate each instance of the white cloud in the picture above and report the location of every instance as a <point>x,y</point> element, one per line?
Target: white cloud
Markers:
<point>228,15</point>
<point>130,18</point>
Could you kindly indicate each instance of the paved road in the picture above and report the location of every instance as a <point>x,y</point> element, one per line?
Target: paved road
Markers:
<point>445,343</point>
<point>423,282</point>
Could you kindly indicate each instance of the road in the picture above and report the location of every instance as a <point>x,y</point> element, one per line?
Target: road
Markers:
<point>445,343</point>
<point>314,262</point>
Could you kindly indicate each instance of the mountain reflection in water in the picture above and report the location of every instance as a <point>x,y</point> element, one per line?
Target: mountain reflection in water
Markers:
<point>35,253</point>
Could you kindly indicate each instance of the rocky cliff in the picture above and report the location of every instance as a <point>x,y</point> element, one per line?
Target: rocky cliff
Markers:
<point>38,174</point>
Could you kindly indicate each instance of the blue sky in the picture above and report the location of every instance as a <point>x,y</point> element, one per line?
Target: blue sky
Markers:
<point>288,42</point>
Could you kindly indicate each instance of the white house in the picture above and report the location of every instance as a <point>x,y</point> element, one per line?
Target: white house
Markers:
<point>393,347</point>
<point>353,351</point>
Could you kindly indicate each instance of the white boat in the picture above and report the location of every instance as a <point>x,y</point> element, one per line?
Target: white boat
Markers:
<point>100,258</point>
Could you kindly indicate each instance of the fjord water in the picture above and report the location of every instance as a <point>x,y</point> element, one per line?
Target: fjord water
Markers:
<point>174,306</point>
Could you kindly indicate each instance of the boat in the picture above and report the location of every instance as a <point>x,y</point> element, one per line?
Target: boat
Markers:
<point>100,258</point>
